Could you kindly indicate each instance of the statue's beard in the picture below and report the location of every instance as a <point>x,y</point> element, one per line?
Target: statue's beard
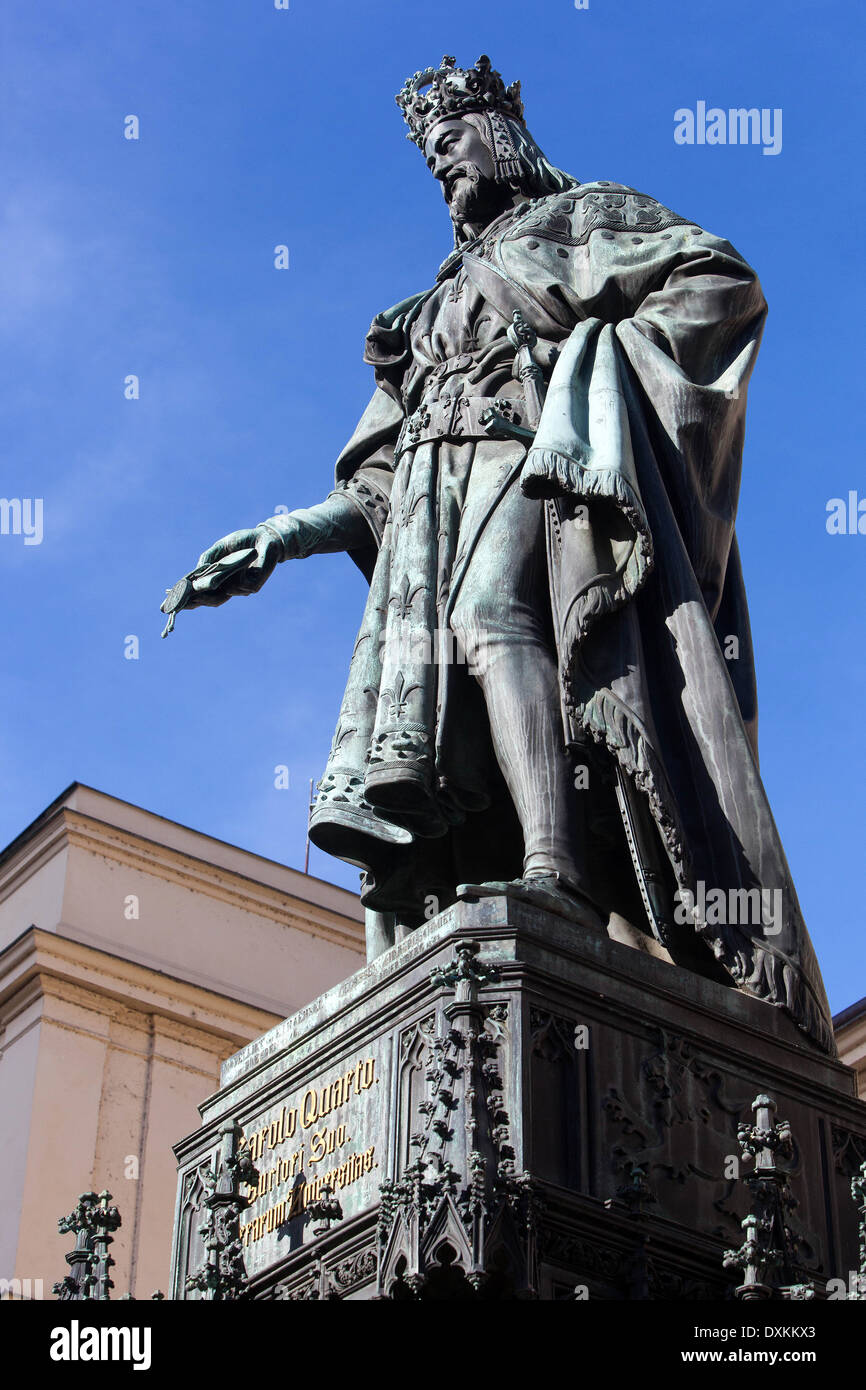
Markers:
<point>474,199</point>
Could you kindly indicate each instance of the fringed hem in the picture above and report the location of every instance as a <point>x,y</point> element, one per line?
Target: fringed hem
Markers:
<point>754,968</point>
<point>608,721</point>
<point>547,473</point>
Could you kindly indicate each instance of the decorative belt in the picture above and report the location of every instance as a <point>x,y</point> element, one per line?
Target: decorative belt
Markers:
<point>464,417</point>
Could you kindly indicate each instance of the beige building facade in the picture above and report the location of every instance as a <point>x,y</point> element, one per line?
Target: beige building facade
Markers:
<point>850,1029</point>
<point>135,956</point>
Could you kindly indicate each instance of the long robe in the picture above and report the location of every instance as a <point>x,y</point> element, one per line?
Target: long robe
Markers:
<point>648,330</point>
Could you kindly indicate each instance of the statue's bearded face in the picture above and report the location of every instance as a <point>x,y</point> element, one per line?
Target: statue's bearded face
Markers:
<point>458,156</point>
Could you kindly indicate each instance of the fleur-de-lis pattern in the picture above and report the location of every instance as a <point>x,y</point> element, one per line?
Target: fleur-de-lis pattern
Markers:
<point>411,505</point>
<point>403,600</point>
<point>344,730</point>
<point>396,697</point>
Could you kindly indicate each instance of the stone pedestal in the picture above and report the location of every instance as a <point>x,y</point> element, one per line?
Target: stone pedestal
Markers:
<point>507,1105</point>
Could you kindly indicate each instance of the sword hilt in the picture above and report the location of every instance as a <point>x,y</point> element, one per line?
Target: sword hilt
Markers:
<point>523,338</point>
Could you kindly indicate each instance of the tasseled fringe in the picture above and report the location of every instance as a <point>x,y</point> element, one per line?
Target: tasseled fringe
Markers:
<point>754,967</point>
<point>548,473</point>
<point>507,169</point>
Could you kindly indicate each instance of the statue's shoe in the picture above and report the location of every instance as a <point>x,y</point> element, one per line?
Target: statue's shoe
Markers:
<point>547,891</point>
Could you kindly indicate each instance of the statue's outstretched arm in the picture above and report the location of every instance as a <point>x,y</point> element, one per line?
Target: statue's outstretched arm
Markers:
<point>240,562</point>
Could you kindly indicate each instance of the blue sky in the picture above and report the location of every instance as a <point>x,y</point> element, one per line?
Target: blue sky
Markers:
<point>155,257</point>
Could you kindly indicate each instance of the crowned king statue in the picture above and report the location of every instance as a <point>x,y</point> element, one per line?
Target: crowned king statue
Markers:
<point>552,693</point>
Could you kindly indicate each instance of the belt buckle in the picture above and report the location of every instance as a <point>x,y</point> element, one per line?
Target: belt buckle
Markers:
<point>458,405</point>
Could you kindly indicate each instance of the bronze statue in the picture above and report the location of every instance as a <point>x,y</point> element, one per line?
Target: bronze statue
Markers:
<point>552,693</point>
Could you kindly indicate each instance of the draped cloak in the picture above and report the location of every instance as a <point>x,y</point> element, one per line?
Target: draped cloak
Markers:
<point>648,329</point>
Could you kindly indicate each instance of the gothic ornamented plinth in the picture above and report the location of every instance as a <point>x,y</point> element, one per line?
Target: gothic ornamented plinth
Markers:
<point>495,1109</point>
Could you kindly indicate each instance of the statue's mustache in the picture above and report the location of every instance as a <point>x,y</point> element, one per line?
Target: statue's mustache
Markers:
<point>462,171</point>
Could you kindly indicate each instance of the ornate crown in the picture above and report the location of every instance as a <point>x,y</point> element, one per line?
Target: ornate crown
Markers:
<point>435,93</point>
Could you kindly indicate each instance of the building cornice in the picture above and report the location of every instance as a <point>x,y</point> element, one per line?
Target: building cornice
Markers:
<point>37,958</point>
<point>67,827</point>
<point>211,880</point>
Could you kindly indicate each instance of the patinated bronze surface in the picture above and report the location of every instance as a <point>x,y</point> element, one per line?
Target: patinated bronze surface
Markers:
<point>552,693</point>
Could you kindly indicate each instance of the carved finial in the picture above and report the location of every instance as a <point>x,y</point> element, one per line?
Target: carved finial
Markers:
<point>92,1223</point>
<point>768,1254</point>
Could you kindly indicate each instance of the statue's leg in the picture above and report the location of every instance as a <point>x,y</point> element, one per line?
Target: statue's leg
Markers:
<point>380,932</point>
<point>502,620</point>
